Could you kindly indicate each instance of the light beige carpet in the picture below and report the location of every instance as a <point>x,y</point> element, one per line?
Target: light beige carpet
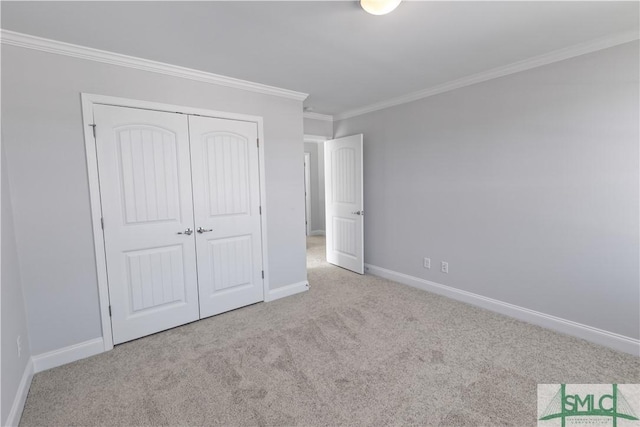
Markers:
<point>354,350</point>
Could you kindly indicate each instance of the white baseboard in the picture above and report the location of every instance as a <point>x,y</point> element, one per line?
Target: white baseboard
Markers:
<point>589,333</point>
<point>286,291</point>
<point>65,355</point>
<point>317,233</point>
<point>21,396</point>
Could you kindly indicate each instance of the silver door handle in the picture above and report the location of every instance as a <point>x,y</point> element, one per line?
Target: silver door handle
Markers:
<point>202,230</point>
<point>358,213</point>
<point>188,232</point>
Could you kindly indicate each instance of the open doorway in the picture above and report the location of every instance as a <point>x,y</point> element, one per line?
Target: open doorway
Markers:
<point>334,205</point>
<point>314,197</point>
<point>314,185</point>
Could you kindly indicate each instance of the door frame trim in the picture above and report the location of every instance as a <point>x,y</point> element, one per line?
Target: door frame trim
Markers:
<point>88,101</point>
<point>307,192</point>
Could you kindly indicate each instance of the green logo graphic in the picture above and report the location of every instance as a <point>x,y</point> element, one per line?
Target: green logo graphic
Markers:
<point>613,405</point>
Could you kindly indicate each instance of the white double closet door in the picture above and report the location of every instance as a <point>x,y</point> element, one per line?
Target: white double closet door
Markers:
<point>181,209</point>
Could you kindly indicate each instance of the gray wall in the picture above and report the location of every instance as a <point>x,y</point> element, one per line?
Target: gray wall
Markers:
<point>43,135</point>
<point>318,127</point>
<point>14,321</point>
<point>316,158</point>
<point>527,185</point>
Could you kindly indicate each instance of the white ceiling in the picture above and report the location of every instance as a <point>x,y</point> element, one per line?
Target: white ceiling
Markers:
<point>333,50</point>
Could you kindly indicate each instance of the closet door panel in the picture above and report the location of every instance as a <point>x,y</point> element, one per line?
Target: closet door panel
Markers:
<point>226,191</point>
<point>145,184</point>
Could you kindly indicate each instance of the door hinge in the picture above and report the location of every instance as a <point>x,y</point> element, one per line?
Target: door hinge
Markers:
<point>109,311</point>
<point>93,126</point>
<point>258,142</point>
<point>102,223</point>
<point>263,274</point>
<point>260,209</point>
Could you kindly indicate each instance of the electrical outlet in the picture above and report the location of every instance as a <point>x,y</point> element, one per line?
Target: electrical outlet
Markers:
<point>444,267</point>
<point>426,263</point>
<point>19,345</point>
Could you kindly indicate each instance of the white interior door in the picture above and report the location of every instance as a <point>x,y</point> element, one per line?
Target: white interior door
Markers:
<point>226,191</point>
<point>145,185</point>
<point>344,202</point>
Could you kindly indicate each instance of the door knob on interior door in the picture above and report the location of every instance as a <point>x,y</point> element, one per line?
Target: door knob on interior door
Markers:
<point>202,230</point>
<point>188,232</point>
<point>358,213</point>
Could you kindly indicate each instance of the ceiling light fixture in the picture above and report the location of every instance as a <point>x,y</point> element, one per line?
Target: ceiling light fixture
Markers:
<point>379,7</point>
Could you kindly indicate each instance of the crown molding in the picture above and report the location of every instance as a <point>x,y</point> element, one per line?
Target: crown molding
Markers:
<point>318,116</point>
<point>316,138</point>
<point>516,67</point>
<point>12,38</point>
